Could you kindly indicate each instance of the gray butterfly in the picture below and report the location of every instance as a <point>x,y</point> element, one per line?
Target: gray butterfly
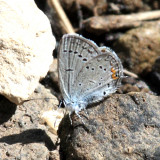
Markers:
<point>87,73</point>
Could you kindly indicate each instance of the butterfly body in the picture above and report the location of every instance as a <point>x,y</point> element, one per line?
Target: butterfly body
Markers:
<point>87,73</point>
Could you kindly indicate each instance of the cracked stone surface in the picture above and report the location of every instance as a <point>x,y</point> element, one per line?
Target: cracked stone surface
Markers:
<point>122,127</point>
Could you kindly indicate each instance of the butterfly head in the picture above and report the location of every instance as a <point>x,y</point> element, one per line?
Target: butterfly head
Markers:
<point>71,107</point>
<point>74,106</point>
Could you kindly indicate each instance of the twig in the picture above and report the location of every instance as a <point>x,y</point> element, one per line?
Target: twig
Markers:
<point>102,24</point>
<point>130,73</point>
<point>64,21</point>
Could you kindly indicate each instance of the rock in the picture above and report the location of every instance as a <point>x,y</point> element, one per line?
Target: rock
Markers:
<point>26,48</point>
<point>53,66</point>
<point>22,133</point>
<point>53,73</point>
<point>140,47</point>
<point>90,5</point>
<point>106,7</point>
<point>125,6</point>
<point>68,4</point>
<point>122,127</point>
<point>131,84</point>
<point>156,66</point>
<point>153,78</point>
<point>156,73</point>
<point>99,25</point>
<point>53,118</point>
<point>54,155</point>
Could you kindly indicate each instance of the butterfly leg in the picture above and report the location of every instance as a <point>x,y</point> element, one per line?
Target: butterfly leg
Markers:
<point>79,117</point>
<point>60,103</point>
<point>70,117</point>
<point>85,110</point>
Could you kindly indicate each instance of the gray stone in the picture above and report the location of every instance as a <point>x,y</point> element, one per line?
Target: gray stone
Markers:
<point>23,135</point>
<point>122,127</point>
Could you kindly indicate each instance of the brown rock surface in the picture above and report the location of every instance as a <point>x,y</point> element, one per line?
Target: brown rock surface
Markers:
<point>99,25</point>
<point>116,6</point>
<point>23,134</point>
<point>122,127</point>
<point>140,47</point>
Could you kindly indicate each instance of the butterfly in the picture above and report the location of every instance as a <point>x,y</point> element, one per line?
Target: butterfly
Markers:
<point>87,73</point>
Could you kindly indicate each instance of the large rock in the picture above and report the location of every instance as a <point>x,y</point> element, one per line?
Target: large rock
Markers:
<point>23,134</point>
<point>139,48</point>
<point>122,127</point>
<point>26,46</point>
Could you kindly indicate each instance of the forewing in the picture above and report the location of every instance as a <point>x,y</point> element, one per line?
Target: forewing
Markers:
<point>74,52</point>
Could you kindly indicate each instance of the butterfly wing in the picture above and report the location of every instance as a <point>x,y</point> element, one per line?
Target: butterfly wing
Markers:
<point>99,77</point>
<point>74,52</point>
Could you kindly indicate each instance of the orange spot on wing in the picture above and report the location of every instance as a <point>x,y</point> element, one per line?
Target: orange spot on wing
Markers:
<point>114,74</point>
<point>113,70</point>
